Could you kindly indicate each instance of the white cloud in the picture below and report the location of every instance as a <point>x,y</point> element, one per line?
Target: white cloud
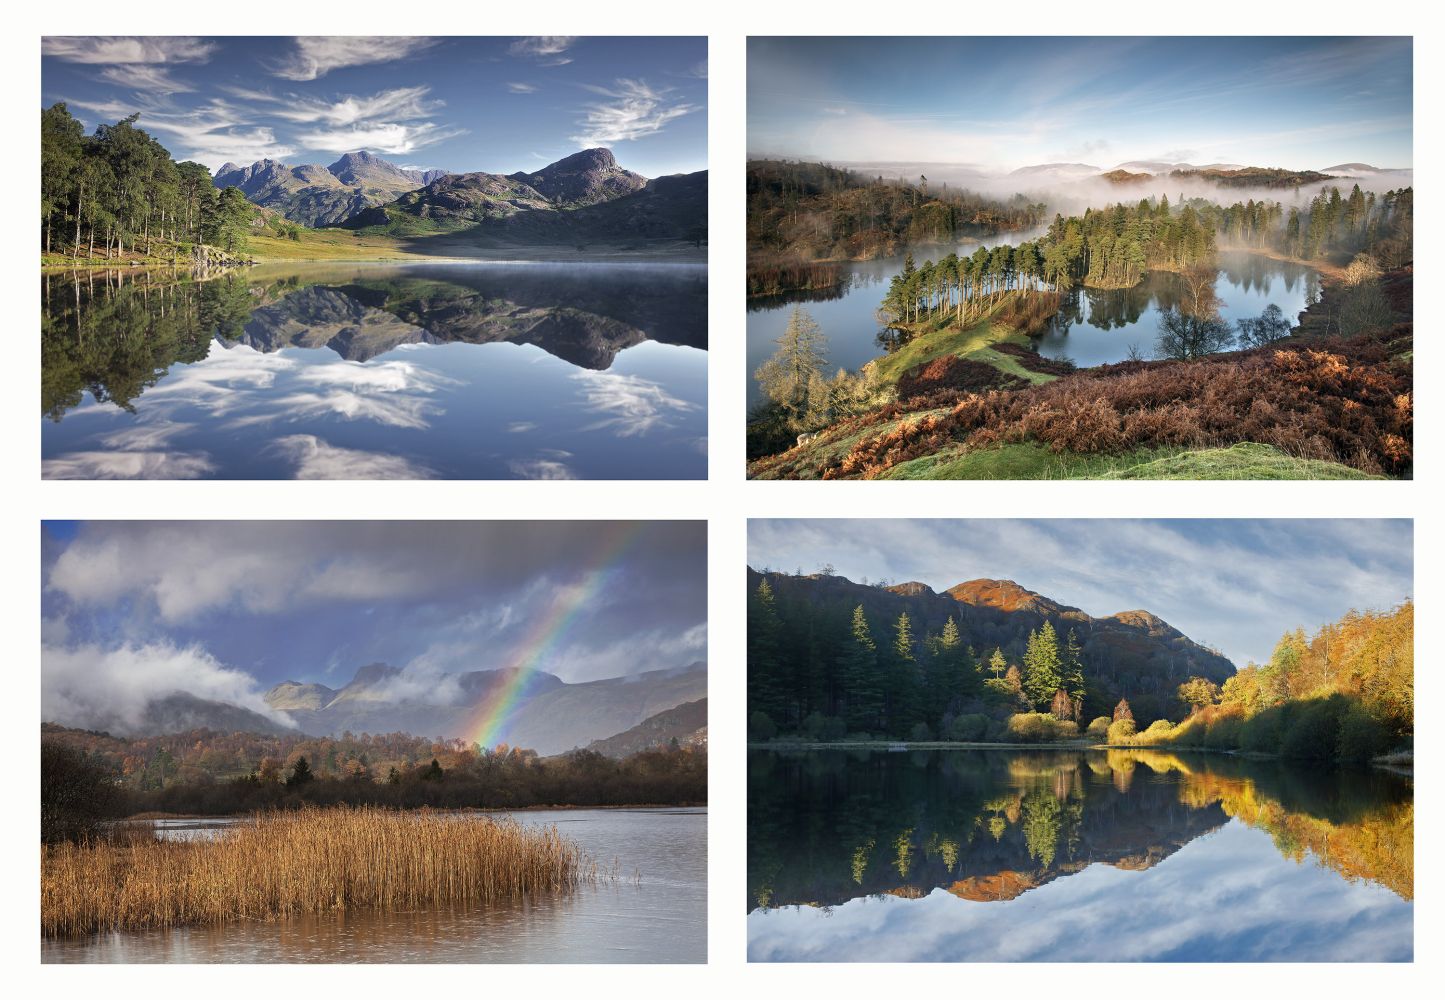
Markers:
<point>316,56</point>
<point>119,51</point>
<point>542,45</point>
<point>95,687</point>
<point>384,137</point>
<point>633,111</point>
<point>128,465</point>
<point>315,459</point>
<point>629,403</point>
<point>522,88</point>
<point>398,104</point>
<point>549,466</point>
<point>143,76</point>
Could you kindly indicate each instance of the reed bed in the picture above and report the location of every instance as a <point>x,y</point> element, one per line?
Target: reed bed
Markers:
<point>309,861</point>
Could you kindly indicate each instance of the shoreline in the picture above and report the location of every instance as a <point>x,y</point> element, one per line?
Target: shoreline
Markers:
<point>896,746</point>
<point>152,817</point>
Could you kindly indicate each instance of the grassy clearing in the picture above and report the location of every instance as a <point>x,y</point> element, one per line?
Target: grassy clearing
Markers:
<point>1035,461</point>
<point>326,244</point>
<point>935,339</point>
<point>310,861</point>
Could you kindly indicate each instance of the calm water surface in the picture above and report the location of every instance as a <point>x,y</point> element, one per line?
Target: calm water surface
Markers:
<point>958,855</point>
<point>378,371</point>
<point>656,911</point>
<point>1094,326</point>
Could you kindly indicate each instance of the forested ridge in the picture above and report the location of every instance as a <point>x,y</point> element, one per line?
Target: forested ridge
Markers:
<point>988,660</point>
<point>800,213</point>
<point>830,657</point>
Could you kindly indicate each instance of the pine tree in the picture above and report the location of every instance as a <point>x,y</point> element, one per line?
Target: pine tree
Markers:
<point>1042,665</point>
<point>902,679</point>
<point>1073,668</point>
<point>859,668</point>
<point>764,668</point>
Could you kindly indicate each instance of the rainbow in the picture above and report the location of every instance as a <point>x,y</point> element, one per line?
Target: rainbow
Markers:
<point>489,718</point>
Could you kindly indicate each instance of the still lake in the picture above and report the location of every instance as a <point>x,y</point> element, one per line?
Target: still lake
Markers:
<point>378,371</point>
<point>1094,326</point>
<point>1109,856</point>
<point>654,911</point>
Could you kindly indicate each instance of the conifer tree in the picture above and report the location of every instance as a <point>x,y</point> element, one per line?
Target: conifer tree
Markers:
<point>1042,673</point>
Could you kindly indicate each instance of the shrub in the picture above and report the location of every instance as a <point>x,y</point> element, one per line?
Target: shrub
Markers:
<point>920,733</point>
<point>968,728</point>
<point>1313,729</point>
<point>1035,727</point>
<point>834,728</point>
<point>953,372</point>
<point>1099,728</point>
<point>1362,736</point>
<point>77,794</point>
<point>1121,731</point>
<point>761,726</point>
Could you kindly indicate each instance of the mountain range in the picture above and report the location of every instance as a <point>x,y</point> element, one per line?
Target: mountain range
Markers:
<point>1133,654</point>
<point>542,711</point>
<point>314,195</point>
<point>580,200</point>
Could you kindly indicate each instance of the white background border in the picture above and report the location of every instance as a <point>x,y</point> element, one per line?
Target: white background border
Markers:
<point>725,501</point>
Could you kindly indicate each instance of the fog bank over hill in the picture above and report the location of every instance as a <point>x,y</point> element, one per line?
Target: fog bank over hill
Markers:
<point>1070,188</point>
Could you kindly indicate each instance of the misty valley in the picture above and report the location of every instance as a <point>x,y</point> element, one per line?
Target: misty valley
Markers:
<point>1074,856</point>
<point>363,371</point>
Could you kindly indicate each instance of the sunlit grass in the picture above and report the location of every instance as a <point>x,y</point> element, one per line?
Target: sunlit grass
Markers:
<point>310,861</point>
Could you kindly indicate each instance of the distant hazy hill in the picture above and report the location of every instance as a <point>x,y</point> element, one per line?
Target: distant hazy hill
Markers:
<point>547,714</point>
<point>1131,653</point>
<point>318,196</point>
<point>687,724</point>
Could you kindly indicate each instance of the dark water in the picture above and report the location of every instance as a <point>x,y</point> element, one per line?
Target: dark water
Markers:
<point>450,371</point>
<point>1074,856</point>
<point>1095,326</point>
<point>1098,326</point>
<point>656,911</point>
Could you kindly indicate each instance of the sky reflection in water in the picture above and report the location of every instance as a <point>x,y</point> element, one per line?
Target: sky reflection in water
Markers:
<point>1032,856</point>
<point>409,392</point>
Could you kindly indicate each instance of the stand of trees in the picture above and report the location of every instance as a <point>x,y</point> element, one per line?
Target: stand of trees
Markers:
<point>1106,248</point>
<point>1331,224</point>
<point>1347,693</point>
<point>88,778</point>
<point>847,677</point>
<point>811,211</point>
<point>118,190</point>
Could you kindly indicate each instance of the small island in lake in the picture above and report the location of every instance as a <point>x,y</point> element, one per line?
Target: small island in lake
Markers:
<point>924,302</point>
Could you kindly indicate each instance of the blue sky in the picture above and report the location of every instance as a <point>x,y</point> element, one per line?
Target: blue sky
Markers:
<point>462,104</point>
<point>1002,103</point>
<point>227,609</point>
<point>1237,584</point>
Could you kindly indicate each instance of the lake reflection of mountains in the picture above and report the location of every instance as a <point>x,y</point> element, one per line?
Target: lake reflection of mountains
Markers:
<point>584,320</point>
<point>828,827</point>
<point>454,371</point>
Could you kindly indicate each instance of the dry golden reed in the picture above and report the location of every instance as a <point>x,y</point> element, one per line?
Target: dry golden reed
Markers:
<point>309,861</point>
